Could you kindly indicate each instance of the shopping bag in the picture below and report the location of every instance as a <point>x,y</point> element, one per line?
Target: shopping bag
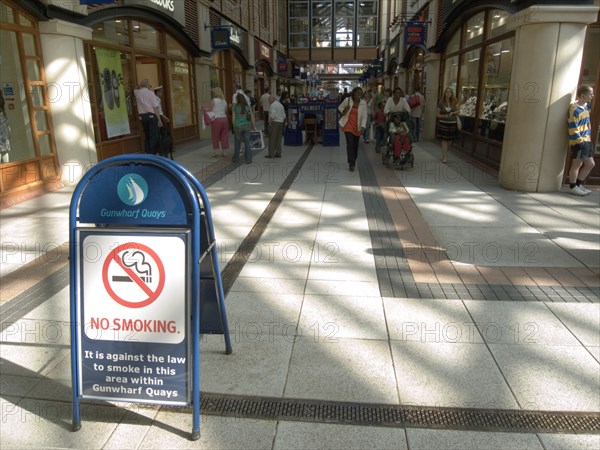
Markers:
<point>256,140</point>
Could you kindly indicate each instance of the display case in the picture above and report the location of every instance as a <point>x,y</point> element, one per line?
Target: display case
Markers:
<point>492,117</point>
<point>468,107</point>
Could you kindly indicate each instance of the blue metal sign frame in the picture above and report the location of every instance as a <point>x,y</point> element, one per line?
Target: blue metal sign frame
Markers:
<point>126,174</point>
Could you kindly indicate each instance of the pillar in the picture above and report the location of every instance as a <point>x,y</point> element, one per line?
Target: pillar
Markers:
<point>67,82</point>
<point>430,90</point>
<point>547,58</point>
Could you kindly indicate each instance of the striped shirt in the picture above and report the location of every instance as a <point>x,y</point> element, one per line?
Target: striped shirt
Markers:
<point>580,129</point>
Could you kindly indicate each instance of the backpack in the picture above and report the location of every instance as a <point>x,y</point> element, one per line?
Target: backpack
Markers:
<point>414,100</point>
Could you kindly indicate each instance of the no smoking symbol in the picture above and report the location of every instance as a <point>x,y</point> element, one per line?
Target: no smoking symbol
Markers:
<point>133,275</point>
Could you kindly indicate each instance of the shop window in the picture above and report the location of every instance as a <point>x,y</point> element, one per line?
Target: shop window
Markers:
<point>24,21</point>
<point>496,83</point>
<point>474,29</point>
<point>7,14</point>
<point>451,74</point>
<point>498,22</point>
<point>469,79</point>
<point>33,70</point>
<point>13,88</point>
<point>45,144</point>
<point>145,37</point>
<point>113,31</point>
<point>29,45</point>
<point>40,120</point>
<point>453,44</point>
<point>181,97</point>
<point>174,49</point>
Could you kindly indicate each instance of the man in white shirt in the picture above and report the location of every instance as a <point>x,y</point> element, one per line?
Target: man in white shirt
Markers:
<point>277,118</point>
<point>265,103</point>
<point>148,107</point>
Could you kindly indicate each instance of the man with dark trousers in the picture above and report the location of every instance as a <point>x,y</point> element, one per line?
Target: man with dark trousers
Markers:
<point>149,110</point>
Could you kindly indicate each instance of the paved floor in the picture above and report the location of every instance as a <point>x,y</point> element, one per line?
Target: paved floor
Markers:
<point>352,297</point>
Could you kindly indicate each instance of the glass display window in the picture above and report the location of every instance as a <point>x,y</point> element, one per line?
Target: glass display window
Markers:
<point>469,82</point>
<point>482,65</point>
<point>181,97</point>
<point>453,44</point>
<point>474,29</point>
<point>450,74</point>
<point>15,95</point>
<point>7,14</point>
<point>113,31</point>
<point>498,20</point>
<point>175,49</point>
<point>497,66</point>
<point>145,37</point>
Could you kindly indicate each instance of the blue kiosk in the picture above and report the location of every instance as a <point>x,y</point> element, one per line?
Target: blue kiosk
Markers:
<point>145,283</point>
<point>292,134</point>
<point>331,132</point>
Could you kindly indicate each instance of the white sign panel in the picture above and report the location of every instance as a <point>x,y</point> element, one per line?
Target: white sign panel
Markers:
<point>134,288</point>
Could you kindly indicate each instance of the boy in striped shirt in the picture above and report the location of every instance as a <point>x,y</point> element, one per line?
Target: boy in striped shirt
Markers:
<point>580,140</point>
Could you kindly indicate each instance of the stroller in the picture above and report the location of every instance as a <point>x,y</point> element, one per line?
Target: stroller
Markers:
<point>397,142</point>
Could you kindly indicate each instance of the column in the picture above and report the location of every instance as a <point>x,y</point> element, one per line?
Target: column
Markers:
<point>432,69</point>
<point>203,92</point>
<point>66,78</point>
<point>548,52</point>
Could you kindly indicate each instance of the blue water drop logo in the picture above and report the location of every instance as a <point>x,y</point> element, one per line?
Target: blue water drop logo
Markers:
<point>132,189</point>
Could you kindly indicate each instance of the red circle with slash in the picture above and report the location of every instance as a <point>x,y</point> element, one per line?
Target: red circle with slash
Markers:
<point>114,257</point>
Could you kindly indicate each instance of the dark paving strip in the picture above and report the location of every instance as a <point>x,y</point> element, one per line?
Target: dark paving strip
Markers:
<point>387,249</point>
<point>28,300</point>
<point>396,280</point>
<point>378,415</point>
<point>235,265</point>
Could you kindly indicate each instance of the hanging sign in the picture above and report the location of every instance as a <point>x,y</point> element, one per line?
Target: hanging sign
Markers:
<point>220,38</point>
<point>414,34</point>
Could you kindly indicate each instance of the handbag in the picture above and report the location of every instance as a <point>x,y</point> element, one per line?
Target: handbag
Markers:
<point>458,123</point>
<point>208,118</point>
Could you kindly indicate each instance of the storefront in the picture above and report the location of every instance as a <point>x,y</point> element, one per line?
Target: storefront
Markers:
<point>229,62</point>
<point>477,65</point>
<point>590,75</point>
<point>263,68</point>
<point>32,160</point>
<point>514,69</point>
<point>130,44</point>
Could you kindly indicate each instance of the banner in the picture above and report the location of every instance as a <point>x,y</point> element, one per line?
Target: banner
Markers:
<point>114,105</point>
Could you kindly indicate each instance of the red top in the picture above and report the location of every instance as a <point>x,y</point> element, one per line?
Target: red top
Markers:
<point>352,124</point>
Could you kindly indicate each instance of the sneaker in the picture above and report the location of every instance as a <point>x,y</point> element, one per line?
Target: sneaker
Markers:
<point>577,190</point>
<point>586,190</point>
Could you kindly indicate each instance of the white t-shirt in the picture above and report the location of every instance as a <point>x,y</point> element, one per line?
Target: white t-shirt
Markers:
<point>265,101</point>
<point>219,108</point>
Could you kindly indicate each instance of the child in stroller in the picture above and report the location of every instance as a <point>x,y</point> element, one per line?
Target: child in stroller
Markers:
<point>399,147</point>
